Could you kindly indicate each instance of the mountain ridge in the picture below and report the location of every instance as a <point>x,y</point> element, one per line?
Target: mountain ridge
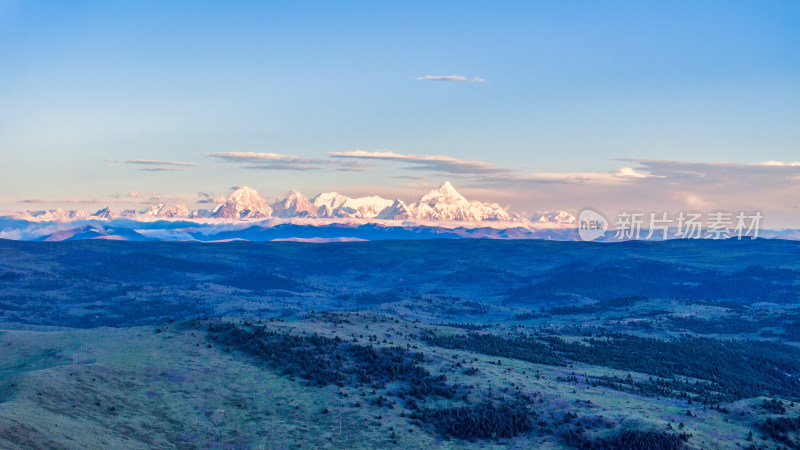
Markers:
<point>444,204</point>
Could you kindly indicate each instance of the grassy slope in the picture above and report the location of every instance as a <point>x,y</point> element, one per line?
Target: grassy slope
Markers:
<point>170,387</point>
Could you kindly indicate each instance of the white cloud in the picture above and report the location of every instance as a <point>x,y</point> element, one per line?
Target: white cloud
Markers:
<point>630,172</point>
<point>778,163</point>
<point>458,78</point>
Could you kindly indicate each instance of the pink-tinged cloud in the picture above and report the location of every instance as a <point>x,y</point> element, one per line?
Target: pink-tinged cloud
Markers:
<point>258,158</point>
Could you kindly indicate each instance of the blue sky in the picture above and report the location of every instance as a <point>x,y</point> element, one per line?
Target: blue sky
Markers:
<point>559,97</point>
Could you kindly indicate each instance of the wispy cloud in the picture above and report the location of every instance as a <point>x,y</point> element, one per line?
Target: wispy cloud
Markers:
<point>154,162</point>
<point>483,171</point>
<point>442,163</point>
<point>267,161</point>
<point>258,158</point>
<point>282,166</point>
<point>673,175</point>
<point>352,166</point>
<point>159,169</point>
<point>407,177</point>
<point>720,172</point>
<point>58,202</point>
<point>37,200</point>
<point>778,163</point>
<point>624,175</point>
<point>630,172</point>
<point>154,165</point>
<point>276,161</point>
<point>457,78</point>
<point>642,184</point>
<point>656,185</point>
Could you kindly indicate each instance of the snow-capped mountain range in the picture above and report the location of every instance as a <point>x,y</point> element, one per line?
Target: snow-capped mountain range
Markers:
<point>244,215</point>
<point>444,204</point>
<point>332,205</point>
